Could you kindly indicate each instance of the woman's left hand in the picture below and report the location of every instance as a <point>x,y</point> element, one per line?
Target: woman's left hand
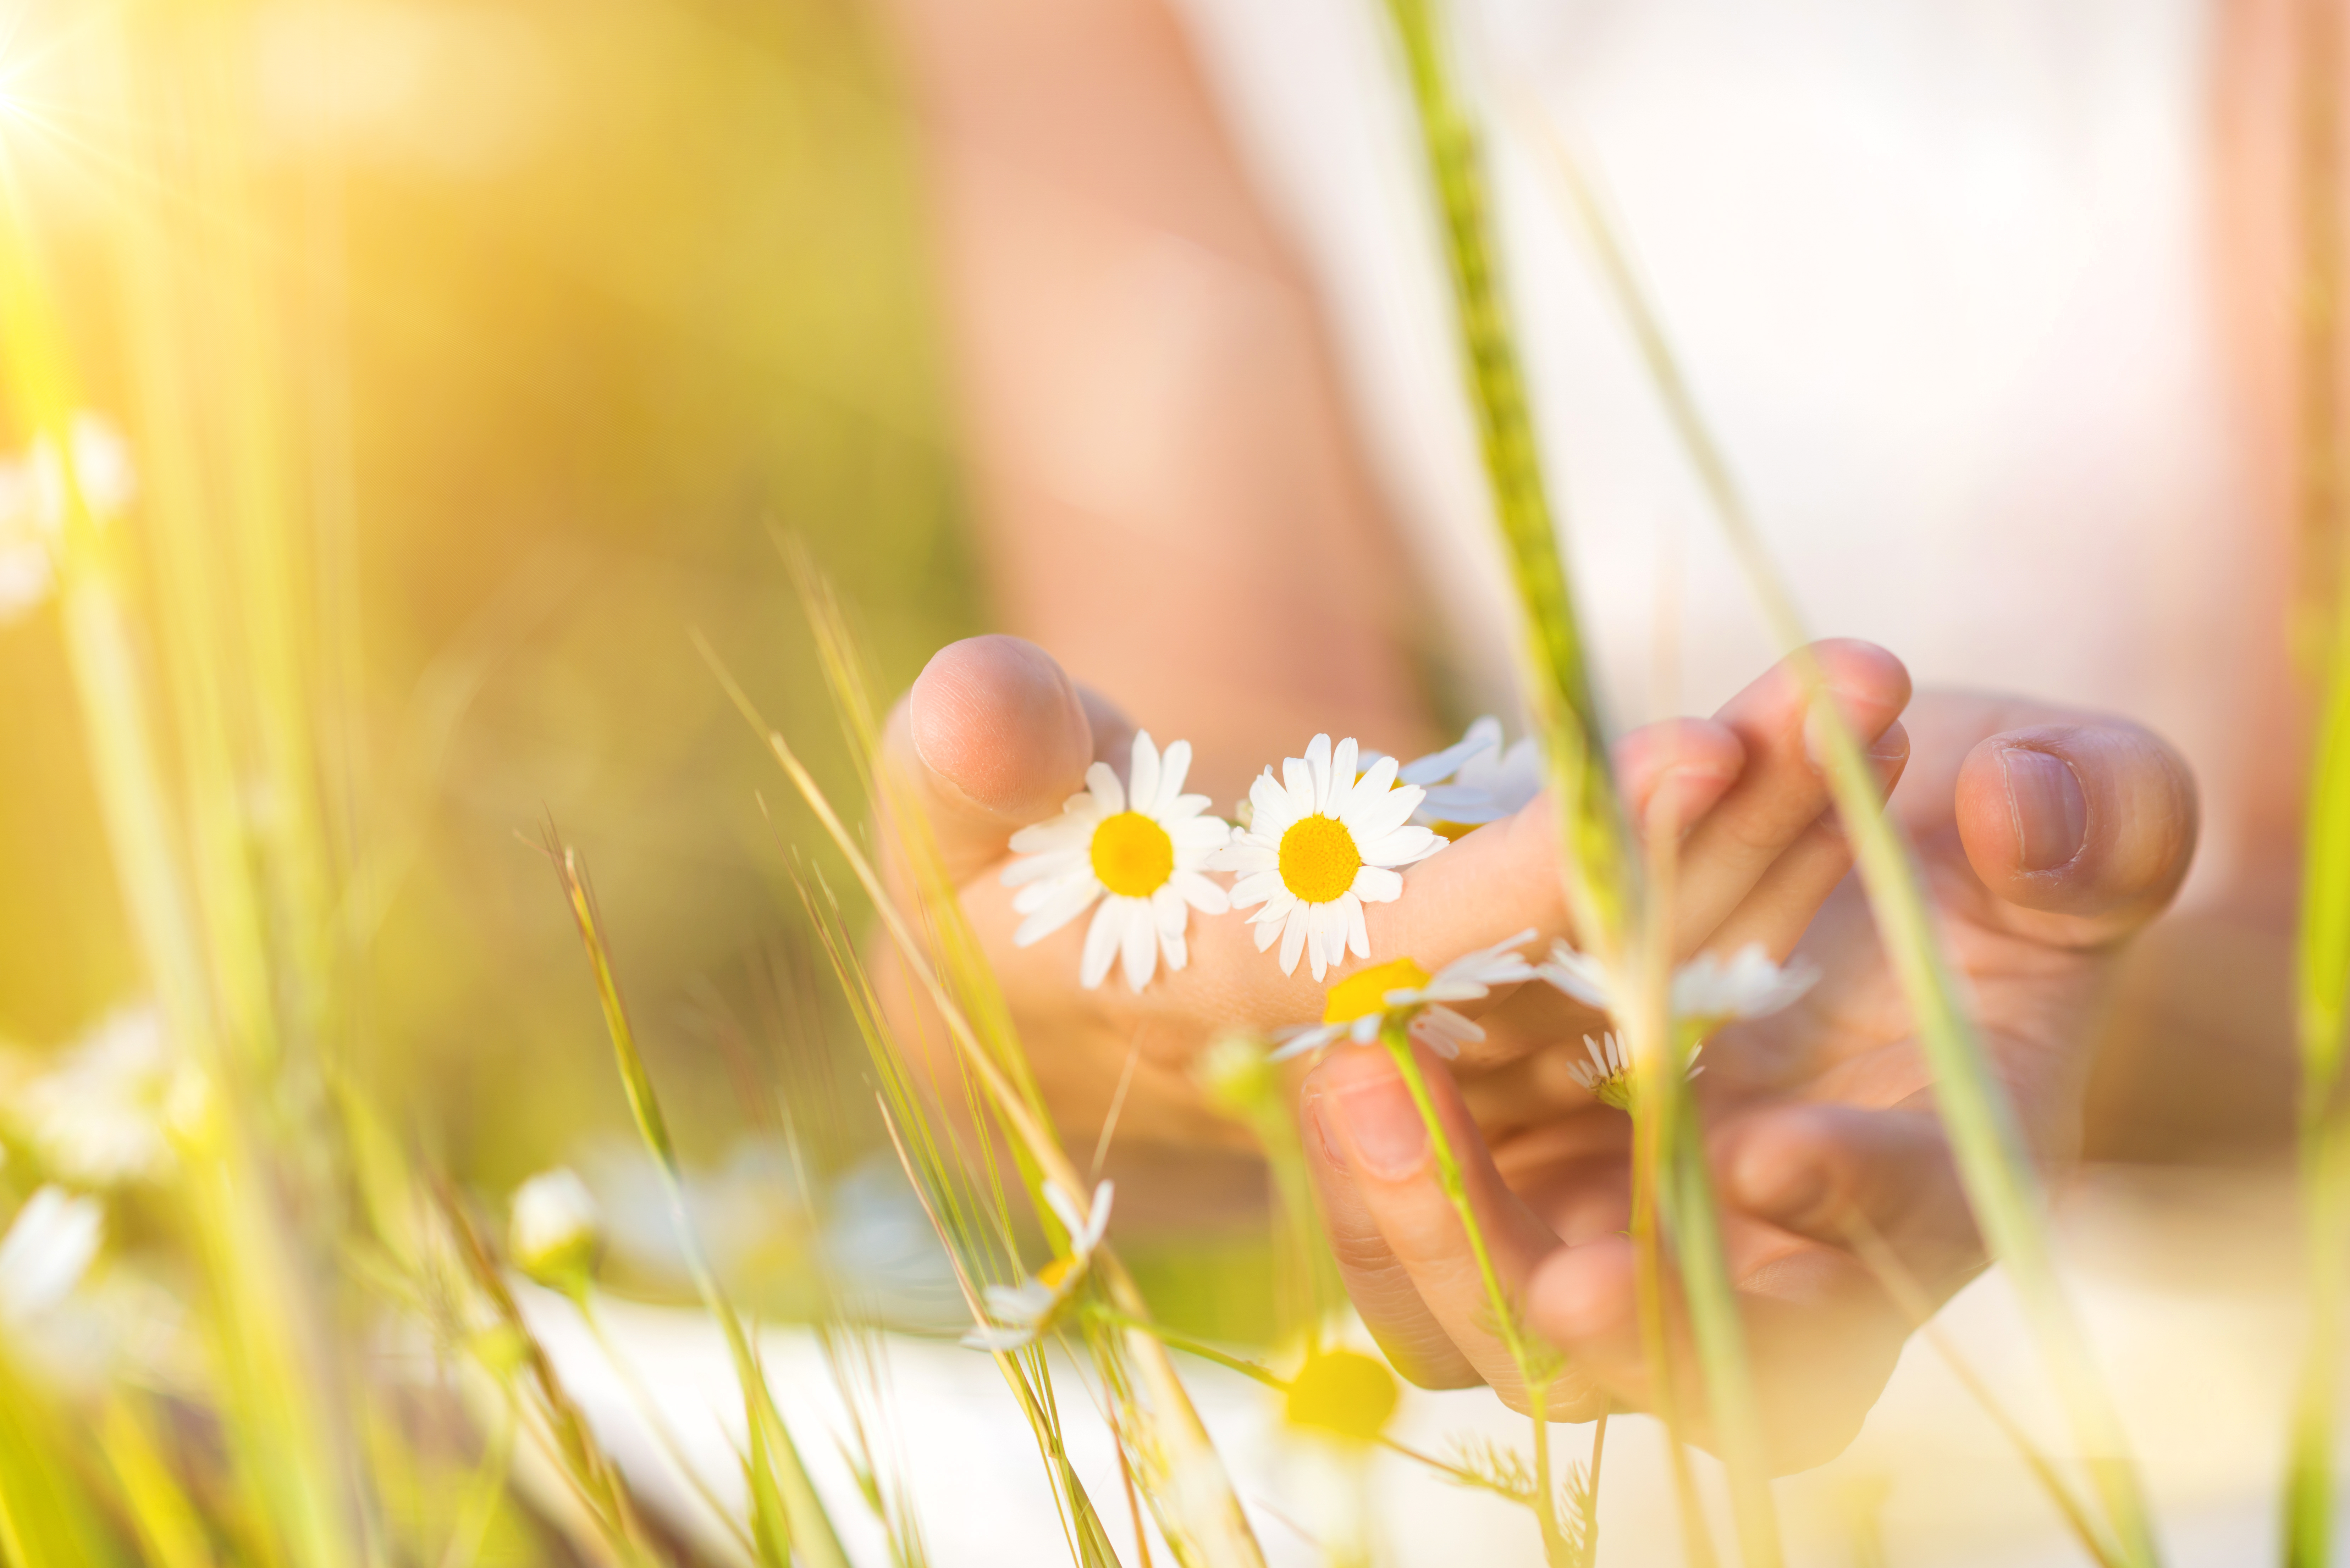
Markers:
<point>2048,839</point>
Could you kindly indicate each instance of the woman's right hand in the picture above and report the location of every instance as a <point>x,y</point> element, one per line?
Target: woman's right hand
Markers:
<point>994,736</point>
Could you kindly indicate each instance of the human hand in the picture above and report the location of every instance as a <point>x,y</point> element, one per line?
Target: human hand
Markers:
<point>2048,839</point>
<point>993,737</point>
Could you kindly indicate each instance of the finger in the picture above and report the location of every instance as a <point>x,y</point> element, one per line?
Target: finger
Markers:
<point>1387,1158</point>
<point>1376,1282</point>
<point>2083,829</point>
<point>1779,907</point>
<point>1503,878</point>
<point>1823,1171</point>
<point>1780,792</point>
<point>993,736</point>
<point>1821,1338</point>
<point>1672,773</point>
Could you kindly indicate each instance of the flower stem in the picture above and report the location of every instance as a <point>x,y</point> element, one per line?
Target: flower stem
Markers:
<point>1397,1040</point>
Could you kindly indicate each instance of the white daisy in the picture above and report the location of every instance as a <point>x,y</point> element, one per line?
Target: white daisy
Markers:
<point>1708,990</point>
<point>1358,1004</point>
<point>1137,848</point>
<point>26,572</point>
<point>1321,843</point>
<point>1475,780</point>
<point>556,1230</point>
<point>48,1248</point>
<point>1609,1074</point>
<point>1023,1312</point>
<point>98,1116</point>
<point>102,473</point>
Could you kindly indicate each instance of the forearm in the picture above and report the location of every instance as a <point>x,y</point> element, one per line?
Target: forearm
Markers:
<point>1169,497</point>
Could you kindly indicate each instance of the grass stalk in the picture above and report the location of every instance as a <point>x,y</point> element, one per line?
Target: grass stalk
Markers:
<point>1212,1529</point>
<point>786,1516</point>
<point>1532,1362</point>
<point>2321,638</point>
<point>1907,1293</point>
<point>1601,875</point>
<point>1994,1162</point>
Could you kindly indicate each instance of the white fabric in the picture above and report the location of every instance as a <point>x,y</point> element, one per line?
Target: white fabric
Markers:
<point>1937,271</point>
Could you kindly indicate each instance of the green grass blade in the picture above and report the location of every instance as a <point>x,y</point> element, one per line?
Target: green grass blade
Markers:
<point>1601,875</point>
<point>2322,987</point>
<point>810,1528</point>
<point>1994,1162</point>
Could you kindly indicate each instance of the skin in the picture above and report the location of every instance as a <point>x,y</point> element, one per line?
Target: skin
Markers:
<point>1171,502</point>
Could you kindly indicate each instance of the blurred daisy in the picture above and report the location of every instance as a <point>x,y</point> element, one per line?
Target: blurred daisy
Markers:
<point>98,1118</point>
<point>1707,992</point>
<point>1137,848</point>
<point>1609,1073</point>
<point>1023,1312</point>
<point>48,1248</point>
<point>1475,780</point>
<point>102,471</point>
<point>1361,1002</point>
<point>555,1230</point>
<point>26,572</point>
<point>1321,843</point>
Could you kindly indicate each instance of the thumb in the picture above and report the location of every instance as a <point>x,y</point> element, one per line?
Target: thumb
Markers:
<point>993,736</point>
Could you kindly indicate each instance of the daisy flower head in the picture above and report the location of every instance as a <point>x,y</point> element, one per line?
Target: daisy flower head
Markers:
<point>1021,1313</point>
<point>1475,780</point>
<point>1609,1073</point>
<point>27,573</point>
<point>1136,849</point>
<point>1322,842</point>
<point>1359,1005</point>
<point>556,1232</point>
<point>1707,992</point>
<point>102,474</point>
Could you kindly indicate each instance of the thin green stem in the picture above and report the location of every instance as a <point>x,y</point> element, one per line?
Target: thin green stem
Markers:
<point>1397,1040</point>
<point>1591,1490</point>
<point>1995,1161</point>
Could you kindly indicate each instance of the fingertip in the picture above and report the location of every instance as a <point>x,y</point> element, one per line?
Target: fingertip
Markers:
<point>2094,819</point>
<point>1674,771</point>
<point>1774,1167</point>
<point>1863,672</point>
<point>1585,1295</point>
<point>995,718</point>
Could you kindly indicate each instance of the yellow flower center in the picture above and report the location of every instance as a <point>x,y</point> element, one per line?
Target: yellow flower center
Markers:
<point>1454,831</point>
<point>1132,854</point>
<point>1360,995</point>
<point>1054,1273</point>
<point>1343,1394</point>
<point>1318,859</point>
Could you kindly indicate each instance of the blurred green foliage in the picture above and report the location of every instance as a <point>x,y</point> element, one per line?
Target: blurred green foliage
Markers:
<point>629,285</point>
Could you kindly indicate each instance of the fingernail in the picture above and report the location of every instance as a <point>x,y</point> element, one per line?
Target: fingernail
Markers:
<point>1384,1127</point>
<point>2050,814</point>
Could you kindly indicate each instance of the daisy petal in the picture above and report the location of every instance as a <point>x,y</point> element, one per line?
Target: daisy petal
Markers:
<point>1377,782</point>
<point>1377,885</point>
<point>1102,942</point>
<point>1402,848</point>
<point>1105,788</point>
<point>1142,777</point>
<point>1343,763</point>
<point>1037,868</point>
<point>1139,946</point>
<point>1056,911</point>
<point>1358,936</point>
<point>1174,766</point>
<point>1482,736</point>
<point>1292,941</point>
<point>1199,893</point>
